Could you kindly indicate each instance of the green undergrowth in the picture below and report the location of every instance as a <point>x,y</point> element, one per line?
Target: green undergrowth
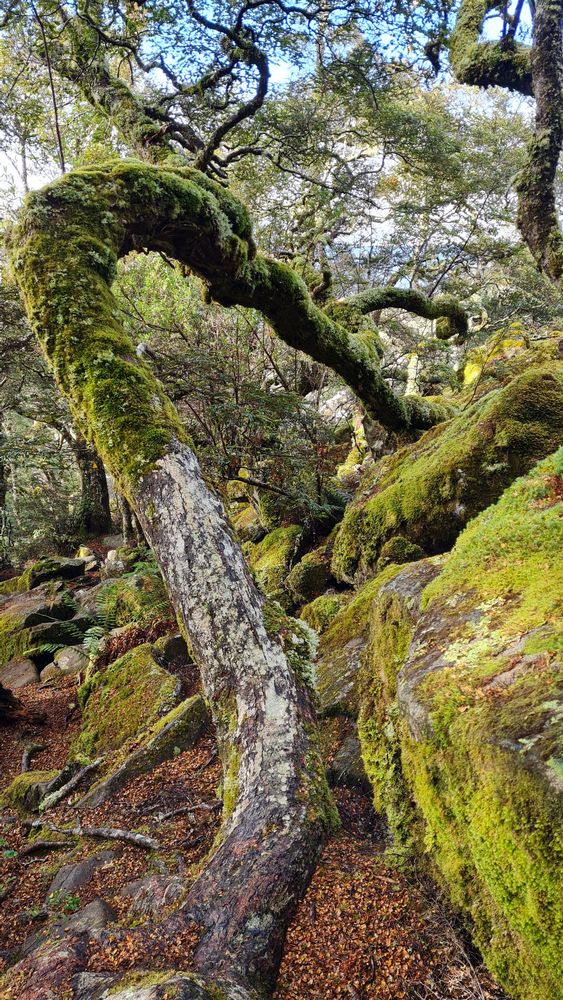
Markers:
<point>134,599</point>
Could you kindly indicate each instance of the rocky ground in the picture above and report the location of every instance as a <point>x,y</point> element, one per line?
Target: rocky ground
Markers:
<point>363,929</point>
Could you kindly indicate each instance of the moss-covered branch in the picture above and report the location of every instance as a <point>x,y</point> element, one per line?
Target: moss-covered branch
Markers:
<point>104,213</point>
<point>505,63</point>
<point>277,809</point>
<point>144,125</point>
<point>442,308</point>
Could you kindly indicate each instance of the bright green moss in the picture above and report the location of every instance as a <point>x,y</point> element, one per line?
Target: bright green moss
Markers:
<point>514,547</point>
<point>341,646</point>
<point>270,559</point>
<point>14,640</point>
<point>320,612</point>
<point>309,578</point>
<point>65,249</point>
<point>121,702</point>
<point>428,491</point>
<point>477,787</point>
<point>19,794</point>
<point>399,550</point>
<point>16,584</point>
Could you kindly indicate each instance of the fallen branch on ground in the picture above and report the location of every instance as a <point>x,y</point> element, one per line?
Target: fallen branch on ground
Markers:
<point>203,806</point>
<point>51,800</point>
<point>101,832</point>
<point>42,845</point>
<point>30,751</point>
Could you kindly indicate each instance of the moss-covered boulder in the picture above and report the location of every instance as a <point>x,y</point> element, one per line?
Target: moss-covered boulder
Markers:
<point>341,647</point>
<point>320,612</point>
<point>461,726</point>
<point>25,618</point>
<point>311,576</point>
<point>45,569</point>
<point>399,550</point>
<point>178,730</point>
<point>122,702</point>
<point>427,492</point>
<point>26,791</point>
<point>271,559</point>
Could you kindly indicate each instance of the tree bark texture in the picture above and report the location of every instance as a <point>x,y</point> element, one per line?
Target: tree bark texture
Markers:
<point>537,209</point>
<point>95,513</point>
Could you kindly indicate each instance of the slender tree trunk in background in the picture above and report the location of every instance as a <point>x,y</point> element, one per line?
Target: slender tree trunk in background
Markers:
<point>95,513</point>
<point>4,559</point>
<point>126,522</point>
<point>132,530</point>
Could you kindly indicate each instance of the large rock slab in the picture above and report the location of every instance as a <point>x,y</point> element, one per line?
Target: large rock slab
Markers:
<point>123,702</point>
<point>55,568</point>
<point>90,919</point>
<point>71,877</point>
<point>18,673</point>
<point>175,732</point>
<point>36,617</point>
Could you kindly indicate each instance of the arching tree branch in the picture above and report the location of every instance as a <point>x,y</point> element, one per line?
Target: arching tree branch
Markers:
<point>441,308</point>
<point>504,63</point>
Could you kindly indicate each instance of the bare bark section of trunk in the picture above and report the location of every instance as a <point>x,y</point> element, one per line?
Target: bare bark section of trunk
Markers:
<point>95,513</point>
<point>270,841</point>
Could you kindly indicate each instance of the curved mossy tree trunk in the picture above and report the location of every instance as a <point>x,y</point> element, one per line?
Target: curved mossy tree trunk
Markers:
<point>94,511</point>
<point>277,809</point>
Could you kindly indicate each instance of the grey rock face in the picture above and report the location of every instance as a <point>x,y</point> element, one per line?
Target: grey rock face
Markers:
<point>18,673</point>
<point>71,877</point>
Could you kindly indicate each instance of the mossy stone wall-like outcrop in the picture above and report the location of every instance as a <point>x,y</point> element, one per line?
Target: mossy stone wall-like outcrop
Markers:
<point>461,726</point>
<point>341,647</point>
<point>123,701</point>
<point>427,492</point>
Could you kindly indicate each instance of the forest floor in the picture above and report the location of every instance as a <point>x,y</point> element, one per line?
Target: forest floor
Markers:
<point>363,930</point>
